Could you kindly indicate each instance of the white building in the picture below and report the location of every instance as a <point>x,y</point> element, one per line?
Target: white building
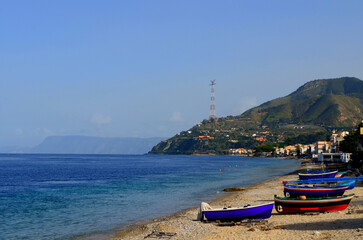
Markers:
<point>334,157</point>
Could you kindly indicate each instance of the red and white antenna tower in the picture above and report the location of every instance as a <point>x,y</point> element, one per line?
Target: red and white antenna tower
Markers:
<point>212,115</point>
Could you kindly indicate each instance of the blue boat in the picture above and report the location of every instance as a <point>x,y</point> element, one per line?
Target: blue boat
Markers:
<point>295,190</point>
<point>333,182</point>
<point>262,211</point>
<point>317,174</point>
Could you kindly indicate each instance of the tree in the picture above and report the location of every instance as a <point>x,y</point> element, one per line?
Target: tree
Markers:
<point>264,148</point>
<point>349,144</point>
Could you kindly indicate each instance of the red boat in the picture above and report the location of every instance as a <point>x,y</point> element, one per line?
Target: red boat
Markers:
<point>322,204</point>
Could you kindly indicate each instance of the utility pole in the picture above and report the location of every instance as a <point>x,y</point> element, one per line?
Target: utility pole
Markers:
<point>212,115</point>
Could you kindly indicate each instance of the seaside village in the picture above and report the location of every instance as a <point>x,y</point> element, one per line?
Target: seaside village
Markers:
<point>321,151</point>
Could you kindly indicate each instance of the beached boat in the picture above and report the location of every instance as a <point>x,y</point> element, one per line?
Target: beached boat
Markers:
<point>262,211</point>
<point>341,174</point>
<point>322,182</point>
<point>317,174</point>
<point>313,191</point>
<point>301,205</point>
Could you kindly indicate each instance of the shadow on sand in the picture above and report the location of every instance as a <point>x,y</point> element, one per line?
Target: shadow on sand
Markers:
<point>326,225</point>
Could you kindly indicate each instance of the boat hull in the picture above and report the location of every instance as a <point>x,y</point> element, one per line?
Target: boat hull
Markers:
<point>326,204</point>
<point>324,181</point>
<point>288,210</point>
<point>237,214</point>
<point>312,175</point>
<point>294,191</point>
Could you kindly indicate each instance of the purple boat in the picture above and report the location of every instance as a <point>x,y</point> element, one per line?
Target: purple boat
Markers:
<point>317,174</point>
<point>262,211</point>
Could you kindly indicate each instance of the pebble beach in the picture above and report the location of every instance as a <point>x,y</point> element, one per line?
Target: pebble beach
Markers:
<point>346,224</point>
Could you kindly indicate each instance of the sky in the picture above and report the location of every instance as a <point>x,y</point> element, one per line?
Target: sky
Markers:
<point>142,68</point>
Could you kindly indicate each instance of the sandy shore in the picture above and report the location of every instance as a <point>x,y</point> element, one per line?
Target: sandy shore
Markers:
<point>347,224</point>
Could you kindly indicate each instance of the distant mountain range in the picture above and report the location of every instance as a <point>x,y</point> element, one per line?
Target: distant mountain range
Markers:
<point>304,116</point>
<point>95,145</point>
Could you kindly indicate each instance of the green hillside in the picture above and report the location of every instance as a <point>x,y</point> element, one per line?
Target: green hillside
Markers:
<point>304,116</point>
<point>334,102</point>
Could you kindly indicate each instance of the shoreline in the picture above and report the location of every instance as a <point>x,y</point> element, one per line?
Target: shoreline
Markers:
<point>296,226</point>
<point>129,230</point>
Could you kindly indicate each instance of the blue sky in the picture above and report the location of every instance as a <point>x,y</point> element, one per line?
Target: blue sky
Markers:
<point>142,68</point>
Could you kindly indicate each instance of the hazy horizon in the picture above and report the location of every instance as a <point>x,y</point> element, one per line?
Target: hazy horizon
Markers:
<point>143,68</point>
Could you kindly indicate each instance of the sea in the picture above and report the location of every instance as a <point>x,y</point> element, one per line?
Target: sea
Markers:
<point>55,196</point>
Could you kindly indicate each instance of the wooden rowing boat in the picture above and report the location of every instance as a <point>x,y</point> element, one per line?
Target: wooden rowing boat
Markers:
<point>262,211</point>
<point>322,182</point>
<point>317,174</point>
<point>313,191</point>
<point>323,204</point>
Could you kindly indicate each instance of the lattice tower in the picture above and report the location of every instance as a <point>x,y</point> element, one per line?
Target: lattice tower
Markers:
<point>212,114</point>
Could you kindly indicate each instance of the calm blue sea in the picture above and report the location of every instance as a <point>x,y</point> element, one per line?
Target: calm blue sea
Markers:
<point>65,196</point>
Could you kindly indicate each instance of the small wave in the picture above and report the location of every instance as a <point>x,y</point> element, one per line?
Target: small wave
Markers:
<point>64,182</point>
